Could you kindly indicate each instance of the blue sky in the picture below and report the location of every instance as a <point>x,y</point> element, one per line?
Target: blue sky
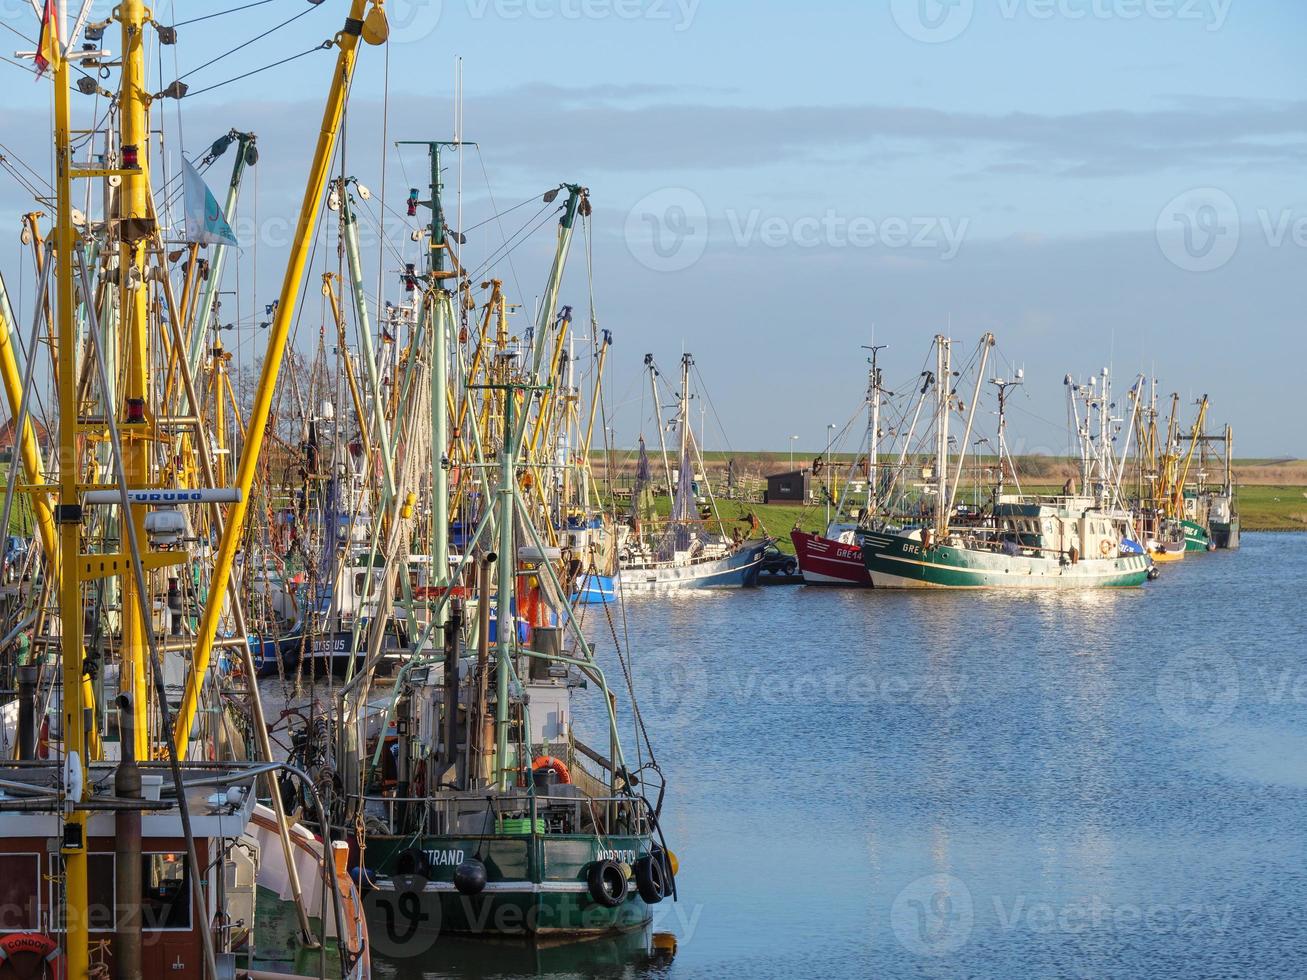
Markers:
<point>1096,181</point>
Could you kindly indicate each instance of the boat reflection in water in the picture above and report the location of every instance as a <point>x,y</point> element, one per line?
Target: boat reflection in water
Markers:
<point>637,953</point>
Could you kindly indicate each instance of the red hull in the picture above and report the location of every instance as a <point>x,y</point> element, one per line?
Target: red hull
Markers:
<point>827,562</point>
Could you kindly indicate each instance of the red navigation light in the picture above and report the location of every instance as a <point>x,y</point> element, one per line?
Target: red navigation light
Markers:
<point>135,411</point>
<point>131,157</point>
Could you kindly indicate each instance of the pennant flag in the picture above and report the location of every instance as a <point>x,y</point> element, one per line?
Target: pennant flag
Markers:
<point>47,45</point>
<point>205,224</point>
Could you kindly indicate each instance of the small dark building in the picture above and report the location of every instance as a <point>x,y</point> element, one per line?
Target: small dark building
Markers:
<point>795,486</point>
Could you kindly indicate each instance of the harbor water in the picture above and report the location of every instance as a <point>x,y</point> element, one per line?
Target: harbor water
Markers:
<point>875,784</point>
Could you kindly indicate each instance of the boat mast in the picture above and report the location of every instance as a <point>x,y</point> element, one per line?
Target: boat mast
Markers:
<point>133,305</point>
<point>1003,384</point>
<point>69,517</point>
<point>658,420</point>
<point>505,621</point>
<point>986,342</point>
<point>873,428</point>
<point>246,154</point>
<point>943,387</point>
<point>683,409</point>
<point>442,324</point>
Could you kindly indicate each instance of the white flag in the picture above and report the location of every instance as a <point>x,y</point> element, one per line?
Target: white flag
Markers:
<point>205,223</point>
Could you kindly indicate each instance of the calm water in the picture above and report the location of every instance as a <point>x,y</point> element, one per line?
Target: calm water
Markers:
<point>970,785</point>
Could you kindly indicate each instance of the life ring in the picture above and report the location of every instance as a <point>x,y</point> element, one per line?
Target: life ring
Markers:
<point>1105,547</point>
<point>549,761</point>
<point>43,745</point>
<point>32,948</point>
<point>606,882</point>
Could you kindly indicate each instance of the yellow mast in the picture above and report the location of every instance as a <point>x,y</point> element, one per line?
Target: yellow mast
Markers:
<point>374,31</point>
<point>69,515</point>
<point>355,395</point>
<point>135,211</point>
<point>219,414</point>
<point>1199,423</point>
<point>33,465</point>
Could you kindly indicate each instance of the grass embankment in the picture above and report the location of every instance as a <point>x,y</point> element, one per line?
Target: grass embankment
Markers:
<point>1273,508</point>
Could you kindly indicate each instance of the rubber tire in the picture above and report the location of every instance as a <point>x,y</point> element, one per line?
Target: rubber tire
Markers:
<point>651,878</point>
<point>791,567</point>
<point>413,861</point>
<point>607,883</point>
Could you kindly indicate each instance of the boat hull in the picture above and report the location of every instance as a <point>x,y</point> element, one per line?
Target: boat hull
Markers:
<point>1226,535</point>
<point>1169,552</point>
<point>595,590</point>
<point>825,561</point>
<point>737,570</point>
<point>536,887</point>
<point>899,562</point>
<point>1196,537</point>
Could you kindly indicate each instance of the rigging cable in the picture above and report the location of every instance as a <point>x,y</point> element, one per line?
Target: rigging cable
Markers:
<point>246,44</point>
<point>220,13</point>
<point>209,88</point>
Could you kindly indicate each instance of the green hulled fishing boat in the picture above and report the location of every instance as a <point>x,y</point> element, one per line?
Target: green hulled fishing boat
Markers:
<point>471,803</point>
<point>1028,542</point>
<point>1035,543</point>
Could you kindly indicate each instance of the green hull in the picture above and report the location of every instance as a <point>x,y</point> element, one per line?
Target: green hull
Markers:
<point>279,947</point>
<point>535,886</point>
<point>897,561</point>
<point>1196,537</point>
<point>1226,535</point>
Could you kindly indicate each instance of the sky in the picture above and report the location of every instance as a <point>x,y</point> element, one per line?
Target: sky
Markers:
<point>1100,183</point>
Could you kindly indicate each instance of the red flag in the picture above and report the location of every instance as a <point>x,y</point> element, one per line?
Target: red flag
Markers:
<point>47,45</point>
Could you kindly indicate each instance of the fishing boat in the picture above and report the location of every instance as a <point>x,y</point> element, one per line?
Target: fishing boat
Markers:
<point>475,806</point>
<point>1031,542</point>
<point>1197,513</point>
<point>691,549</point>
<point>1213,504</point>
<point>1169,544</point>
<point>1223,520</point>
<point>834,557</point>
<point>1037,543</point>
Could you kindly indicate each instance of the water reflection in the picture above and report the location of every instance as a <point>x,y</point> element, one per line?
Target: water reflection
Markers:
<point>626,955</point>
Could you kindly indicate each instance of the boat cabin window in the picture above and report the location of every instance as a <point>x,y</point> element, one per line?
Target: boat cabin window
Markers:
<point>165,892</point>
<point>358,583</point>
<point>20,884</point>
<point>100,895</point>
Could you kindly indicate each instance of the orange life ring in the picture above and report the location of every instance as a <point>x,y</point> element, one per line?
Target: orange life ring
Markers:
<point>43,739</point>
<point>545,761</point>
<point>34,948</point>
